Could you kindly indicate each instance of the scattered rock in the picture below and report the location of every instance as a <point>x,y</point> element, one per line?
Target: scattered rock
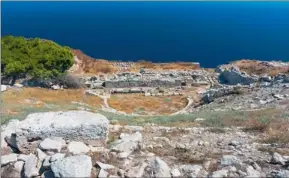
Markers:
<point>23,157</point>
<point>18,166</point>
<point>127,143</point>
<point>228,160</point>
<point>256,166</point>
<point>192,170</point>
<point>10,171</point>
<point>251,172</point>
<point>46,162</point>
<point>6,159</point>
<point>30,166</point>
<point>57,156</point>
<point>41,155</point>
<point>220,173</point>
<point>104,166</point>
<point>277,159</point>
<point>55,87</point>
<point>102,173</point>
<point>234,143</point>
<point>162,139</point>
<point>280,174</point>
<point>123,155</point>
<point>18,85</point>
<point>159,168</point>
<point>137,171</point>
<point>175,173</point>
<point>52,144</point>
<point>74,166</point>
<point>77,148</point>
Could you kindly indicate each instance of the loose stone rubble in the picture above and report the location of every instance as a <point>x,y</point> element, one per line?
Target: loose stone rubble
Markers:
<point>148,151</point>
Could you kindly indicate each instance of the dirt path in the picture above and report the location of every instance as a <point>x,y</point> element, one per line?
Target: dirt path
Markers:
<point>190,102</point>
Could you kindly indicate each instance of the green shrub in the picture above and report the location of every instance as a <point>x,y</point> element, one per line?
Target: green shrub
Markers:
<point>37,58</point>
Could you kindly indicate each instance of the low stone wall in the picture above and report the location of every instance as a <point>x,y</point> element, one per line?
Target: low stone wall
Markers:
<point>142,83</point>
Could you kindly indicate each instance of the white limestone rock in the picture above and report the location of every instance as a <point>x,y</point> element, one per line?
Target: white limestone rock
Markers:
<point>74,166</point>
<point>77,148</point>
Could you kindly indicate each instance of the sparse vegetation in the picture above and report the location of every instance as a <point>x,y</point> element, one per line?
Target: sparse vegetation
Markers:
<point>89,65</point>
<point>147,104</point>
<point>17,104</point>
<point>259,68</point>
<point>165,66</point>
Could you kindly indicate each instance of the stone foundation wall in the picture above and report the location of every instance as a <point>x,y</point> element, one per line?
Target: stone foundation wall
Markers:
<point>142,83</point>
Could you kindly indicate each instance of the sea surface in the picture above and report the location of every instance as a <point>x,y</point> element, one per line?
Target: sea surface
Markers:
<point>211,33</point>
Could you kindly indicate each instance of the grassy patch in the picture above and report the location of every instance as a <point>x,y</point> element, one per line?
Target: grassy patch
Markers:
<point>131,103</point>
<point>18,103</point>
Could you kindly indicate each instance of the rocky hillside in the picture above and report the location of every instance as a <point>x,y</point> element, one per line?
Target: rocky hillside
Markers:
<point>84,144</point>
<point>139,119</point>
<point>85,65</point>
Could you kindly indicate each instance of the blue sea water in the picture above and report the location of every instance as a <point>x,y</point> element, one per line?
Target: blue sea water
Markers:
<point>211,33</point>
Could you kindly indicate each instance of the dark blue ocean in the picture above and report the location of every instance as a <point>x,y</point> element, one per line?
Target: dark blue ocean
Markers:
<point>211,33</point>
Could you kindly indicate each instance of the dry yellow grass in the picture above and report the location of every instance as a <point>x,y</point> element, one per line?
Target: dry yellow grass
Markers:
<point>88,65</point>
<point>41,96</point>
<point>147,104</point>
<point>165,66</point>
<point>259,68</point>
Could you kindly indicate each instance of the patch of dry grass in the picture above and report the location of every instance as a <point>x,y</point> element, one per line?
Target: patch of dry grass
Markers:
<point>274,127</point>
<point>165,66</point>
<point>41,96</point>
<point>88,65</point>
<point>259,68</point>
<point>137,103</point>
<point>20,102</point>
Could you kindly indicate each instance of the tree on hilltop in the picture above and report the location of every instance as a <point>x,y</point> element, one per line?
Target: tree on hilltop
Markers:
<point>40,59</point>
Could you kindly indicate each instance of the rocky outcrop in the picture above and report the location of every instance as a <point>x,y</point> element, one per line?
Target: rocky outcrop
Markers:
<point>82,126</point>
<point>213,93</point>
<point>234,76</point>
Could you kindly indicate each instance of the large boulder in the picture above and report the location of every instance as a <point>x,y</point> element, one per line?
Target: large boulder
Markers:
<point>234,76</point>
<point>74,166</point>
<point>82,126</point>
